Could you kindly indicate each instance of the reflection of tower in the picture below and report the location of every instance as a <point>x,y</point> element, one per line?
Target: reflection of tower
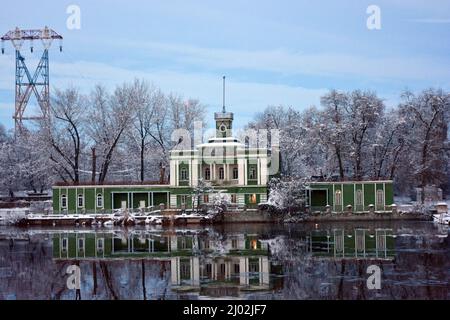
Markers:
<point>26,83</point>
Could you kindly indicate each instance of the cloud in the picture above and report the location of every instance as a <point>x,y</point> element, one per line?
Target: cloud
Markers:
<point>243,98</point>
<point>292,62</point>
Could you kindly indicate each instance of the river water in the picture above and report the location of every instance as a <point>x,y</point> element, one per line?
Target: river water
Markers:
<point>352,260</point>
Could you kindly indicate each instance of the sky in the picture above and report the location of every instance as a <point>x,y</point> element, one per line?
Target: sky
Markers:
<point>272,52</point>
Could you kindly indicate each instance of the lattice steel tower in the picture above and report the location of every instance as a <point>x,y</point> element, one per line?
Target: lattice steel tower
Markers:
<point>26,84</point>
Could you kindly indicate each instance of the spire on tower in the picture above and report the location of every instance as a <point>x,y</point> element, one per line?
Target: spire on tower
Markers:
<point>223,107</point>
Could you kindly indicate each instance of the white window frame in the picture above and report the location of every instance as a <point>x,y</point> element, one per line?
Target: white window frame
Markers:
<point>338,196</point>
<point>80,195</point>
<point>65,247</point>
<point>235,173</point>
<point>359,197</point>
<point>183,174</point>
<point>63,197</point>
<point>83,247</point>
<point>380,192</point>
<point>99,196</point>
<point>207,174</point>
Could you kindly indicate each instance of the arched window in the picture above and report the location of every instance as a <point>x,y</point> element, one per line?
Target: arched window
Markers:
<point>235,173</point>
<point>338,198</point>
<point>99,200</point>
<point>221,173</point>
<point>80,201</point>
<point>380,196</point>
<point>63,201</point>
<point>207,174</point>
<point>359,198</point>
<point>184,175</point>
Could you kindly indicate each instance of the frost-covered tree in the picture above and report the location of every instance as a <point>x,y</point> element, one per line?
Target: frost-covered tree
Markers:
<point>287,194</point>
<point>109,116</point>
<point>428,114</point>
<point>64,132</point>
<point>220,202</point>
<point>200,190</point>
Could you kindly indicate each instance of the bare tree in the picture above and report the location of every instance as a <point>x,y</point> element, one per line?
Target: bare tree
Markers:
<point>109,117</point>
<point>64,132</point>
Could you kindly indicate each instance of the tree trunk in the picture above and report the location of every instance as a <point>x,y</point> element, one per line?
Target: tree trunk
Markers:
<point>94,165</point>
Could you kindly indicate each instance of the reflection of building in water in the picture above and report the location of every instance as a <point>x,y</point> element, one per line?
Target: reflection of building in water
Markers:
<point>362,243</point>
<point>198,262</point>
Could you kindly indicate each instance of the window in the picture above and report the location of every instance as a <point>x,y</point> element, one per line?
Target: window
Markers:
<point>64,244</point>
<point>81,244</point>
<point>252,198</point>
<point>183,199</point>
<point>236,268</point>
<point>207,174</point>
<point>99,200</point>
<point>233,198</point>
<point>100,244</point>
<point>221,173</point>
<point>254,244</point>
<point>338,198</point>
<point>359,198</point>
<point>205,198</point>
<point>252,175</point>
<point>206,244</point>
<point>185,270</point>
<point>80,201</point>
<point>380,197</point>
<point>235,173</point>
<point>234,243</point>
<point>63,201</point>
<point>184,174</point>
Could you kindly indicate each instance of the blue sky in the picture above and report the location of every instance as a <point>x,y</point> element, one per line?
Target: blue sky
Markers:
<point>272,52</point>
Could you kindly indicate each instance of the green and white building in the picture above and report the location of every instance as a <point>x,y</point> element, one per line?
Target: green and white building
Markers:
<point>231,167</point>
<point>223,160</point>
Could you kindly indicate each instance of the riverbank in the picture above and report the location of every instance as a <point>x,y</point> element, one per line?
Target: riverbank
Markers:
<point>171,217</point>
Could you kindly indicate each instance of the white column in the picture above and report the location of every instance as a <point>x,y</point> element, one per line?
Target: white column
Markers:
<point>195,173</point>
<point>175,270</point>
<point>195,271</point>
<point>263,169</point>
<point>241,172</point>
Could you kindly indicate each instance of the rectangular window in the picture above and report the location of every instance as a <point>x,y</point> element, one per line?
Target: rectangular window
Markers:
<point>207,174</point>
<point>184,174</point>
<point>359,199</point>
<point>236,268</point>
<point>183,199</point>
<point>252,174</point>
<point>221,173</point>
<point>380,196</point>
<point>235,173</point>
<point>233,198</point>
<point>64,243</point>
<point>63,201</point>
<point>99,200</point>
<point>234,243</point>
<point>100,244</point>
<point>80,244</point>
<point>252,198</point>
<point>80,201</point>
<point>206,198</point>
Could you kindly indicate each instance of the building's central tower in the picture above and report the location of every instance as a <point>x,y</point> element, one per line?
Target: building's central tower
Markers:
<point>224,119</point>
